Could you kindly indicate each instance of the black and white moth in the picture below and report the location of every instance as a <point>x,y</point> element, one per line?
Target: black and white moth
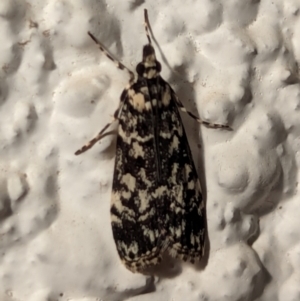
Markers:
<point>156,202</point>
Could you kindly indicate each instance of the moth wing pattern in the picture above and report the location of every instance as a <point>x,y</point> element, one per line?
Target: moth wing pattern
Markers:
<point>135,193</point>
<point>156,201</point>
<point>184,211</point>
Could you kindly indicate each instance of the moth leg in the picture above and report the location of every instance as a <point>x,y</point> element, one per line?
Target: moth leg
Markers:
<point>118,64</point>
<point>101,134</point>
<point>206,123</point>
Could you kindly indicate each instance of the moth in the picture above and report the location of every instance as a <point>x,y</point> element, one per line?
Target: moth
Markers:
<point>156,202</point>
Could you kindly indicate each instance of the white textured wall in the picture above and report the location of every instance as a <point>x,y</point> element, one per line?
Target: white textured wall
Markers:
<point>236,61</point>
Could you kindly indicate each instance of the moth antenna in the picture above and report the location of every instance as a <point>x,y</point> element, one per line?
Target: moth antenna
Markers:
<point>117,63</point>
<point>147,26</point>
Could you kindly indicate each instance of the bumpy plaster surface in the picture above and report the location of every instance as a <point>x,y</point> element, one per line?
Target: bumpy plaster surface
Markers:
<point>236,61</point>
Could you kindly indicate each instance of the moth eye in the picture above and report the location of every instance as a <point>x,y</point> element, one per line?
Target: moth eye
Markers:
<point>158,66</point>
<point>140,69</point>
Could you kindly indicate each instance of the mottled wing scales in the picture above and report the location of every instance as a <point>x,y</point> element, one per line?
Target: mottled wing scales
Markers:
<point>183,207</point>
<point>156,202</point>
<point>138,236</point>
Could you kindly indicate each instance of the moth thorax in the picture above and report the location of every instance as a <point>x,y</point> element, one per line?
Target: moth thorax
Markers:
<point>149,67</point>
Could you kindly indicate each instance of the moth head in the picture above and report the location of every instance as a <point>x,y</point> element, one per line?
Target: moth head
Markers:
<point>149,67</point>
